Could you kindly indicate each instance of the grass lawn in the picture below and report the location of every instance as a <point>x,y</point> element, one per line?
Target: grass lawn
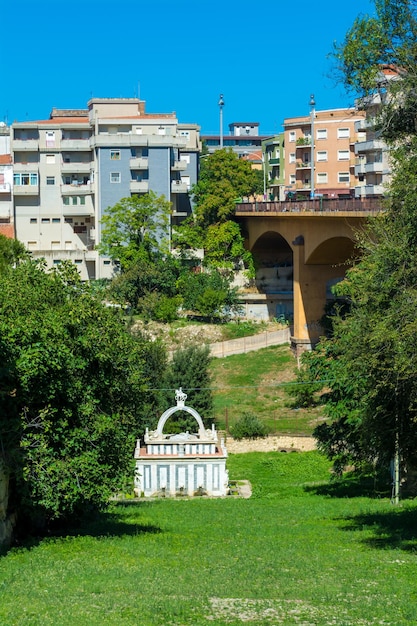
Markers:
<point>257,382</point>
<point>300,551</point>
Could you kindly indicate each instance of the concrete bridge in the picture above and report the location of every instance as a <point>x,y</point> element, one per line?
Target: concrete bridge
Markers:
<point>301,249</point>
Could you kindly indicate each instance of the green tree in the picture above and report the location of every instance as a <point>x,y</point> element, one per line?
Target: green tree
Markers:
<point>209,294</point>
<point>189,369</point>
<point>73,393</point>
<point>384,40</point>
<point>135,227</point>
<point>223,179</point>
<point>12,251</point>
<point>367,369</point>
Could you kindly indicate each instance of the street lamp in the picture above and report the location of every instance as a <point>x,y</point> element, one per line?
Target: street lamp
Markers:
<point>221,105</point>
<point>312,116</point>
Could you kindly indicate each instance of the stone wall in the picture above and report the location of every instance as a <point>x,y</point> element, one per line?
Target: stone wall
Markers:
<point>271,444</point>
<point>6,522</point>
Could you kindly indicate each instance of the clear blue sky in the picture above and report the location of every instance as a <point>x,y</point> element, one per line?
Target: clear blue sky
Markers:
<point>265,56</point>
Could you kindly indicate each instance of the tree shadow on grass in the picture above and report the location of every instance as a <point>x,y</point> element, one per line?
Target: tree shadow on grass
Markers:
<point>353,485</point>
<point>396,529</point>
<point>100,525</point>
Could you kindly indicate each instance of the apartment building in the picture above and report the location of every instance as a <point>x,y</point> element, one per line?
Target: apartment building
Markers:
<point>273,163</point>
<point>320,153</point>
<point>243,138</point>
<point>69,168</point>
<point>6,183</point>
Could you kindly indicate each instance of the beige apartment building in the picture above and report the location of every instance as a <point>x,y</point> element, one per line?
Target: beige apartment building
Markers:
<point>329,160</point>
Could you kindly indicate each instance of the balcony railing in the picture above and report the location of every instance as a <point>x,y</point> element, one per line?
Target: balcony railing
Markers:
<point>76,189</point>
<point>138,163</point>
<point>139,186</point>
<point>177,186</point>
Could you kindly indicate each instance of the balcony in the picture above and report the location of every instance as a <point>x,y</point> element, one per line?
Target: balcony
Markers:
<point>275,161</point>
<point>139,186</point>
<point>25,144</point>
<point>26,190</point>
<point>78,210</point>
<point>76,190</point>
<point>302,165</point>
<point>75,144</point>
<point>368,146</point>
<point>177,186</point>
<point>179,166</point>
<point>138,163</point>
<point>374,167</point>
<point>303,142</point>
<point>77,167</point>
<point>369,190</point>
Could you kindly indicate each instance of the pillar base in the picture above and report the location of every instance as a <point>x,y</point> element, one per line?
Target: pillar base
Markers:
<point>299,346</point>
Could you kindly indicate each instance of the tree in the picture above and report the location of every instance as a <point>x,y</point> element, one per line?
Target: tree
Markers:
<point>12,251</point>
<point>367,368</point>
<point>189,369</point>
<point>135,227</point>
<point>223,179</point>
<point>73,393</point>
<point>208,294</point>
<point>384,41</point>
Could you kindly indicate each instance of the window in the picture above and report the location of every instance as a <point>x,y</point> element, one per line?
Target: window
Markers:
<point>25,179</point>
<point>322,177</point>
<point>292,179</point>
<point>106,262</point>
<point>343,133</point>
<point>68,220</point>
<point>343,155</point>
<point>56,220</point>
<point>45,220</point>
<point>292,157</point>
<point>343,177</point>
<point>291,135</point>
<point>115,177</point>
<point>185,133</point>
<point>50,158</point>
<point>321,133</point>
<point>50,180</point>
<point>115,155</point>
<point>78,261</point>
<point>66,200</point>
<point>33,220</point>
<point>82,200</point>
<point>322,155</point>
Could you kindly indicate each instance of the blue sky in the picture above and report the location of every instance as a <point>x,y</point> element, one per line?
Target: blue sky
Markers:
<point>266,57</point>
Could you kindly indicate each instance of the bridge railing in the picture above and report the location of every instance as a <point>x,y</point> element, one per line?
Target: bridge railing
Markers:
<point>316,205</point>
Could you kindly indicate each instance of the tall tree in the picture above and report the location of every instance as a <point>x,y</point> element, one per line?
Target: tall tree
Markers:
<point>72,393</point>
<point>384,41</point>
<point>135,227</point>
<point>367,369</point>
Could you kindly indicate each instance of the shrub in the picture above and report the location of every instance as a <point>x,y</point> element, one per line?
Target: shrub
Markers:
<point>249,427</point>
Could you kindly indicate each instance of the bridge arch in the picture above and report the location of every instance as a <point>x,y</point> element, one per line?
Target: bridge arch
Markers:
<point>331,251</point>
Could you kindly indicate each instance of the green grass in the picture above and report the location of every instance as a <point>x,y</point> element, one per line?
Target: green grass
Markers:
<point>297,552</point>
<point>256,382</point>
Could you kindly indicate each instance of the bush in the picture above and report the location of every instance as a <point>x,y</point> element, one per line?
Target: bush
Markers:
<point>249,427</point>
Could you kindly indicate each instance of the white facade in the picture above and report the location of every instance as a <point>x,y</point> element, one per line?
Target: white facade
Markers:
<point>69,168</point>
<point>181,464</point>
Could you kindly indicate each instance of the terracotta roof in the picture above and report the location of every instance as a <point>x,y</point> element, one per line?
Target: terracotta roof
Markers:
<point>5,159</point>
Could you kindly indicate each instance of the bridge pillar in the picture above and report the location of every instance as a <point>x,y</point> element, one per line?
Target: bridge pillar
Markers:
<point>309,300</point>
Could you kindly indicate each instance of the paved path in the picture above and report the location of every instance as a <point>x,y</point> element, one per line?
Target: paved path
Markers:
<point>247,344</point>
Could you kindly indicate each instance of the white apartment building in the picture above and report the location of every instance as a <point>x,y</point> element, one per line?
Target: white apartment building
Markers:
<point>69,168</point>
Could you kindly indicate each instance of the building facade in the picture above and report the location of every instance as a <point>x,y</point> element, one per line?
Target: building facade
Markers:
<point>68,169</point>
<point>320,153</point>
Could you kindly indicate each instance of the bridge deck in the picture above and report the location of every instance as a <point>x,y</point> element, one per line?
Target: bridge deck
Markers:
<point>318,206</point>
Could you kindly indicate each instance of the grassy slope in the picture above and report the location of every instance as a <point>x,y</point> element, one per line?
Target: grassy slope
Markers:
<point>289,555</point>
<point>257,382</point>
